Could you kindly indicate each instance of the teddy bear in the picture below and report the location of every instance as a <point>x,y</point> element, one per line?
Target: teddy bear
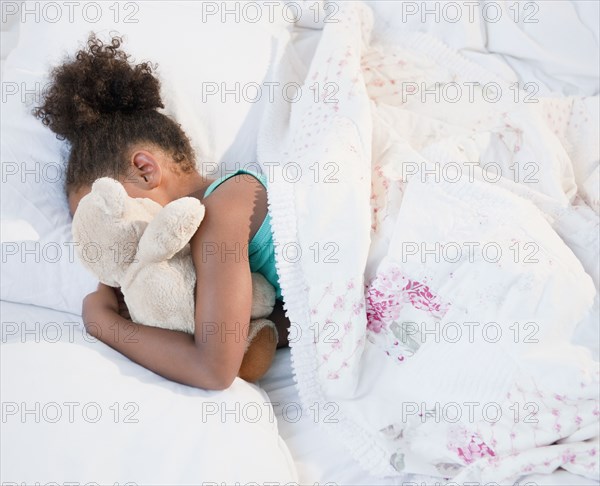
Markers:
<point>143,248</point>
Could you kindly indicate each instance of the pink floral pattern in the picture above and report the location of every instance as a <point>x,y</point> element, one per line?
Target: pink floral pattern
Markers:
<point>389,293</point>
<point>392,298</point>
<point>473,450</point>
<point>336,340</point>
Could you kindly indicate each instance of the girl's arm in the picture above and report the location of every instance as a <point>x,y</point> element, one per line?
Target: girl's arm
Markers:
<point>212,357</point>
<point>171,354</point>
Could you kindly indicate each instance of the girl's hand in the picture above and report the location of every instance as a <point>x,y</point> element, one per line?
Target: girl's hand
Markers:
<point>103,298</point>
<point>112,298</point>
<point>107,296</point>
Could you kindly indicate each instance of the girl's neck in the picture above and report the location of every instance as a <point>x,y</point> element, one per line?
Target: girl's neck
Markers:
<point>193,185</point>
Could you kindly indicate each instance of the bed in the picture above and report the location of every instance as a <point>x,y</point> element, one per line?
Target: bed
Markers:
<point>73,410</point>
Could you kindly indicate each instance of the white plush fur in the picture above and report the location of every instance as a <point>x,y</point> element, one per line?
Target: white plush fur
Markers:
<point>143,248</point>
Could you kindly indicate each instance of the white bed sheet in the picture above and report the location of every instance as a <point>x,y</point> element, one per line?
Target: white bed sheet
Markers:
<point>554,44</point>
<point>318,458</point>
<point>75,411</point>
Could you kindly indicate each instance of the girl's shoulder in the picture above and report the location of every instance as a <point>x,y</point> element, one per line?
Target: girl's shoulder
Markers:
<point>233,200</point>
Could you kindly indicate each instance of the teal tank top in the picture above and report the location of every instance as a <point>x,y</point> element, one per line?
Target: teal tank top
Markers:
<point>261,249</point>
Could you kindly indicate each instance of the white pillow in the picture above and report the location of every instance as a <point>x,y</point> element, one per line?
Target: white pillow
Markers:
<point>95,417</point>
<point>195,50</point>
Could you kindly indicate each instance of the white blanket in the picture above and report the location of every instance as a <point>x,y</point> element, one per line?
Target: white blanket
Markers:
<point>435,258</point>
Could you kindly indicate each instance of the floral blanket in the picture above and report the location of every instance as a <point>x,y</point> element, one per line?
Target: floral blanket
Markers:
<point>437,245</point>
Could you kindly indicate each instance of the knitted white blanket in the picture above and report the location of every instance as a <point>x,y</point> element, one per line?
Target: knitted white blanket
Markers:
<point>435,253</point>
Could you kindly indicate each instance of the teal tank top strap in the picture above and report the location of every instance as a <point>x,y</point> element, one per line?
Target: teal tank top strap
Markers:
<point>217,182</point>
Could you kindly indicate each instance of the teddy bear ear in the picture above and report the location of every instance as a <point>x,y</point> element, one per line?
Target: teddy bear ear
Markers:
<point>112,193</point>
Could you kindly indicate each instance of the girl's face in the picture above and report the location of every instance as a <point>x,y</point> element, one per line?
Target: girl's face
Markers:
<point>151,175</point>
<point>132,189</point>
<point>146,178</point>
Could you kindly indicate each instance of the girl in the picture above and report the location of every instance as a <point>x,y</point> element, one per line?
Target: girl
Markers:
<point>106,108</point>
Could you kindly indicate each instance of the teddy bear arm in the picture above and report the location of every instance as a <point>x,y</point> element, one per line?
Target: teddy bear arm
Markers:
<point>170,230</point>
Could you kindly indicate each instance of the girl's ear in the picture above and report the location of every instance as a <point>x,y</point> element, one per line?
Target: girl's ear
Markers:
<point>146,171</point>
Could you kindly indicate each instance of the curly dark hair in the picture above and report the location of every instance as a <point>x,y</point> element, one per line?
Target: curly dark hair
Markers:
<point>102,104</point>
